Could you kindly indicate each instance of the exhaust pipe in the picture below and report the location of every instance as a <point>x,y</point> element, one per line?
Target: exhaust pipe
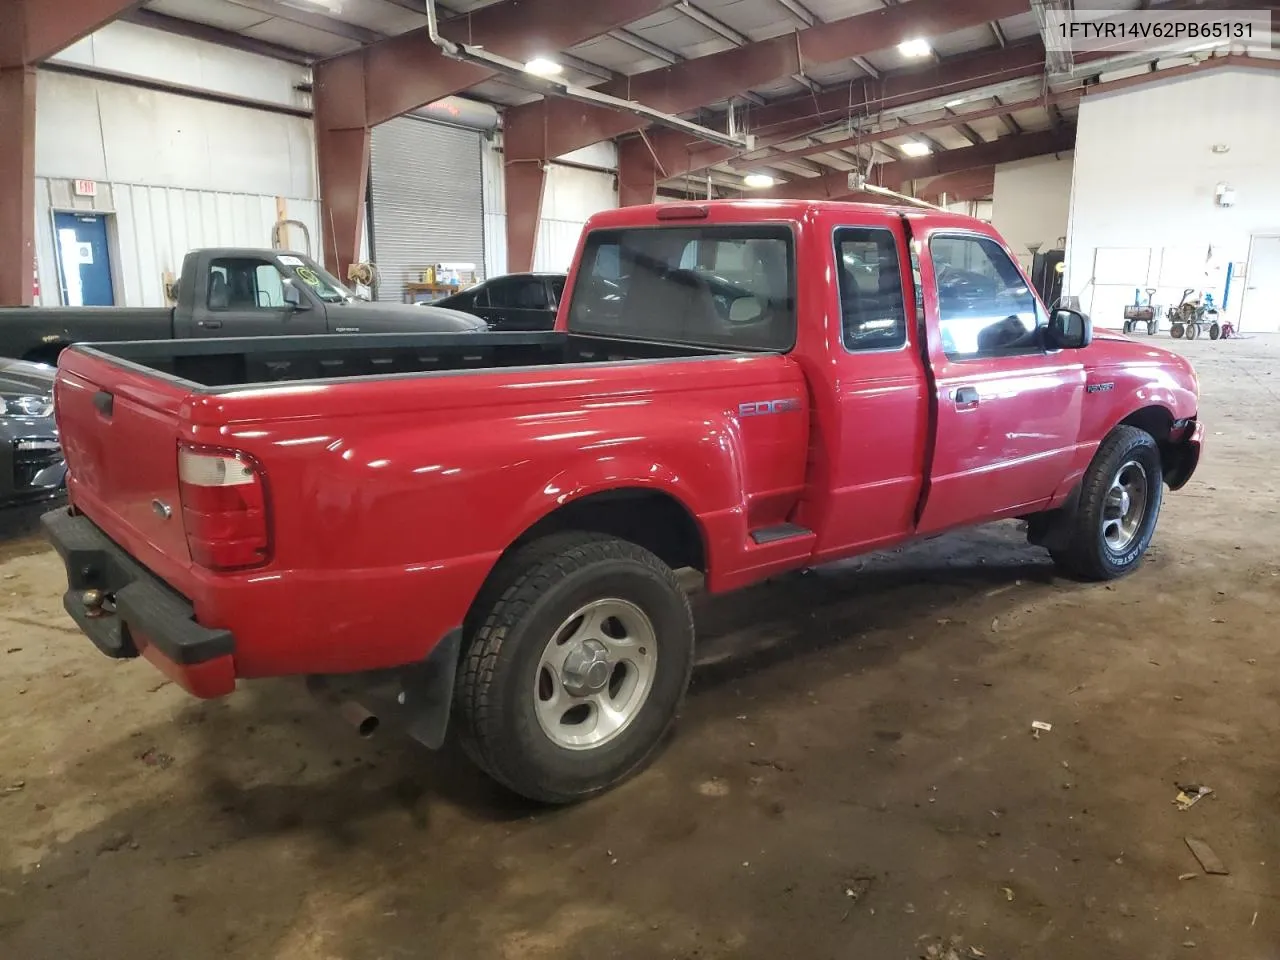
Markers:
<point>364,721</point>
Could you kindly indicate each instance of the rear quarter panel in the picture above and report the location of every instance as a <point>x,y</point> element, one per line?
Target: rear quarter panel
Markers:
<point>391,506</point>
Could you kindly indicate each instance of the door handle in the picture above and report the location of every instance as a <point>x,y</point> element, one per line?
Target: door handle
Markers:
<point>966,398</point>
<point>209,324</point>
<point>104,402</point>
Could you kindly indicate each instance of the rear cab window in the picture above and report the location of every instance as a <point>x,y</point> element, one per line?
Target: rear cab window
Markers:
<point>720,286</point>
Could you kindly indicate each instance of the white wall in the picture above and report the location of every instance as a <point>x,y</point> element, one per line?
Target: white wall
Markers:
<point>570,196</point>
<point>1145,173</point>
<point>1031,201</point>
<point>128,50</point>
<point>176,171</point>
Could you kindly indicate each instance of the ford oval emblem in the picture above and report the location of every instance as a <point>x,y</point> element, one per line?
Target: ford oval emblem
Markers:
<point>162,509</point>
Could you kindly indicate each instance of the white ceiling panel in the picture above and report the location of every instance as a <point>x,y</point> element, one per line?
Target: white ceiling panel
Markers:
<point>616,55</point>
<point>214,13</point>
<point>286,33</point>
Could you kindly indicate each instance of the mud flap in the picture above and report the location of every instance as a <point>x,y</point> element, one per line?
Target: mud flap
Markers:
<point>427,692</point>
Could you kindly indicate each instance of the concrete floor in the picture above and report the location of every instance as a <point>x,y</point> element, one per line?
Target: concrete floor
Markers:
<point>854,774</point>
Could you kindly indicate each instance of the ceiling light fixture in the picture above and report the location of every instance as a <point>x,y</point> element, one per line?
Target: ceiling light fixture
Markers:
<point>915,148</point>
<point>915,47</point>
<point>954,103</point>
<point>543,67</point>
<point>758,181</point>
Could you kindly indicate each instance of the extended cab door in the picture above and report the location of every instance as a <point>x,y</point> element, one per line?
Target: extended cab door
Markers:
<point>1008,411</point>
<point>244,297</point>
<point>874,416</point>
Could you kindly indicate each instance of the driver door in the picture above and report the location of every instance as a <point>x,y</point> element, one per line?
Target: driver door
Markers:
<point>244,297</point>
<point>1008,411</point>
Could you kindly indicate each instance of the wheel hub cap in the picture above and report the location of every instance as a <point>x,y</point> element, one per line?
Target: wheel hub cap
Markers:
<point>595,674</point>
<point>1125,507</point>
<point>586,669</point>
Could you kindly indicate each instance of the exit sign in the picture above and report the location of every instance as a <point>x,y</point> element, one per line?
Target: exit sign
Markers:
<point>85,188</point>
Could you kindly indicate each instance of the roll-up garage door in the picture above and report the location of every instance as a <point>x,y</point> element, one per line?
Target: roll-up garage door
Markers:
<point>426,200</point>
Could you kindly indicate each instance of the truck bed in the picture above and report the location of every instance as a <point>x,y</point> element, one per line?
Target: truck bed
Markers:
<point>39,333</point>
<point>240,363</point>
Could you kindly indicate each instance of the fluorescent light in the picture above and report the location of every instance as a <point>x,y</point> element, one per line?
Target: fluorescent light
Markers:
<point>916,148</point>
<point>953,103</point>
<point>758,181</point>
<point>543,67</point>
<point>915,47</point>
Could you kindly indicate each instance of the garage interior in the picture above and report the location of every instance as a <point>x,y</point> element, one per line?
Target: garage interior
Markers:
<point>855,771</point>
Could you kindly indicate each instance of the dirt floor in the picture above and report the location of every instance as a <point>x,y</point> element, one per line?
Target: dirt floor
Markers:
<point>854,774</point>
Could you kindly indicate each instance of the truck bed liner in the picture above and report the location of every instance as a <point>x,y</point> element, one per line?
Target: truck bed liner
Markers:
<point>246,362</point>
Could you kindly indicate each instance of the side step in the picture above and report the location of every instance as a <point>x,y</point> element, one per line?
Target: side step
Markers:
<point>783,531</point>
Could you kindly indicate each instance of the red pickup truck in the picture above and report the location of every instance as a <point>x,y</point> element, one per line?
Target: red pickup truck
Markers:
<point>478,533</point>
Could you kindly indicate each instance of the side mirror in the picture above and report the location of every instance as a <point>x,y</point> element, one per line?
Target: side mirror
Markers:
<point>746,310</point>
<point>293,297</point>
<point>1069,330</point>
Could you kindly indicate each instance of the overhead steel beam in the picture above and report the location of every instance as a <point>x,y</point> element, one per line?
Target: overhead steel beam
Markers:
<point>223,38</point>
<point>718,27</point>
<point>637,42</point>
<point>795,117</point>
<point>910,129</point>
<point>1007,119</point>
<point>720,76</point>
<point>799,11</point>
<point>895,175</point>
<point>32,31</point>
<point>976,184</point>
<point>356,91</point>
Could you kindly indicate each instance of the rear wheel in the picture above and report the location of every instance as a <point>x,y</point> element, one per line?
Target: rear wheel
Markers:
<point>1152,327</point>
<point>1175,330</point>
<point>576,668</point>
<point>1215,331</point>
<point>1193,331</point>
<point>1119,505</point>
<point>1128,326</point>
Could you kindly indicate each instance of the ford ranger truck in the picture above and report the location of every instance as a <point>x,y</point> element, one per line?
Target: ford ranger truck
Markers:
<point>476,536</point>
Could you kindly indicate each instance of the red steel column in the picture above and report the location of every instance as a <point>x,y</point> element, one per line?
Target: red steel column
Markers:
<point>343,136</point>
<point>525,174</point>
<point>637,173</point>
<point>17,183</point>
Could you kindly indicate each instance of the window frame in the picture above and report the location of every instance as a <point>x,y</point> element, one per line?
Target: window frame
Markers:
<point>906,318</point>
<point>1040,312</point>
<point>793,284</point>
<point>259,263</point>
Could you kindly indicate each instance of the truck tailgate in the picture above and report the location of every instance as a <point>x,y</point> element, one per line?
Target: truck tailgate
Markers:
<point>120,432</point>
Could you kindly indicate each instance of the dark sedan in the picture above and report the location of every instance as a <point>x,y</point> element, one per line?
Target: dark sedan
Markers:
<point>517,301</point>
<point>31,465</point>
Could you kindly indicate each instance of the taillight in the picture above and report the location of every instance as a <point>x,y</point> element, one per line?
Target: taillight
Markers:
<point>224,508</point>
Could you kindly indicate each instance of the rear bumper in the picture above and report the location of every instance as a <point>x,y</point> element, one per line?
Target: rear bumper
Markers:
<point>146,617</point>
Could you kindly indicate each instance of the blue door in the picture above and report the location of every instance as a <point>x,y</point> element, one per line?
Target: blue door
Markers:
<point>83,259</point>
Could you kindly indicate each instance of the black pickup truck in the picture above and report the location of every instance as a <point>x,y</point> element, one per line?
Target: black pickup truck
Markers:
<point>227,293</point>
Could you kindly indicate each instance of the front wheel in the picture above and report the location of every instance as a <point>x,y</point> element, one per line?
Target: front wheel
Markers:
<point>575,668</point>
<point>1175,331</point>
<point>1119,504</point>
<point>1128,327</point>
<point>1152,327</point>
<point>1215,331</point>
<point>1193,331</point>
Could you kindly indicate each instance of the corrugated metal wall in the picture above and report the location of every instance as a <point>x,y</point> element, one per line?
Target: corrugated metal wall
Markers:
<point>152,228</point>
<point>426,199</point>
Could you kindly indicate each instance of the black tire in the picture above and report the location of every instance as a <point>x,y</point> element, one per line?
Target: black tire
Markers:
<point>1176,331</point>
<point>1085,552</point>
<point>1193,331</point>
<point>1128,327</point>
<point>531,595</point>
<point>1152,327</point>
<point>1215,331</point>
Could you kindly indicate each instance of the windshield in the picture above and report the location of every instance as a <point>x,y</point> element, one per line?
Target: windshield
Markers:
<point>322,283</point>
<point>730,286</point>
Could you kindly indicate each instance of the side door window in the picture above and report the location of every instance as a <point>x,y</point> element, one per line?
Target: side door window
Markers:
<point>244,296</point>
<point>873,315</point>
<point>985,307</point>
